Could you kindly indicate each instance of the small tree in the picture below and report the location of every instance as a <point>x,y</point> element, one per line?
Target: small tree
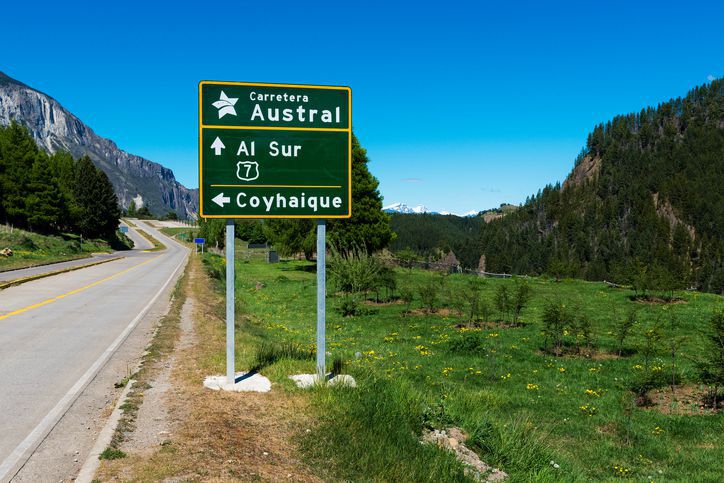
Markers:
<point>711,366</point>
<point>503,301</point>
<point>652,342</point>
<point>521,296</point>
<point>473,296</point>
<point>582,329</point>
<point>556,318</point>
<point>407,295</point>
<point>387,280</point>
<point>623,328</point>
<point>428,294</point>
<point>674,342</point>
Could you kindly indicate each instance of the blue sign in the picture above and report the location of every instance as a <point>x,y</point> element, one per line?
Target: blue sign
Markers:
<point>124,229</point>
<point>199,241</point>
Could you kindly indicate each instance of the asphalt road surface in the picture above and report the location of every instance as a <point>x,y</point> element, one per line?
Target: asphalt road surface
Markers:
<point>56,333</point>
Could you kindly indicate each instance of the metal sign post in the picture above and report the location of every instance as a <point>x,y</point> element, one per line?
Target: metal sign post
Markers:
<point>321,298</point>
<point>230,279</point>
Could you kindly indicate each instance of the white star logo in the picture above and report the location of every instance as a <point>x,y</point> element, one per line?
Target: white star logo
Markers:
<point>225,105</point>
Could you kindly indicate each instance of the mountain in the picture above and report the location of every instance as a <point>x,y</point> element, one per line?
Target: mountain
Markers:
<point>403,208</point>
<point>644,201</point>
<point>54,128</point>
<point>422,209</point>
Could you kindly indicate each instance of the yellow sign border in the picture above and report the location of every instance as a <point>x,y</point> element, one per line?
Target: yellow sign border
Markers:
<point>348,130</point>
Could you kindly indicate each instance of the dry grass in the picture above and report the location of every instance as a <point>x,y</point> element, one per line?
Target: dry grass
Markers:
<point>218,436</point>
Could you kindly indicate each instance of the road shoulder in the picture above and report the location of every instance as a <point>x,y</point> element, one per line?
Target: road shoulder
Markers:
<point>202,434</point>
<point>62,452</point>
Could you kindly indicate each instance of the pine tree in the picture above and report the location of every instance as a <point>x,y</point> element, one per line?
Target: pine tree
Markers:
<point>18,152</point>
<point>97,202</point>
<point>44,202</point>
<point>369,227</point>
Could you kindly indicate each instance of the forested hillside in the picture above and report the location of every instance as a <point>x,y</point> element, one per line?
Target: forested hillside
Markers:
<point>645,200</point>
<point>430,235</point>
<point>53,193</point>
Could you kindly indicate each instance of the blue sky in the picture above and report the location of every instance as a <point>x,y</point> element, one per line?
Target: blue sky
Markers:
<point>461,105</point>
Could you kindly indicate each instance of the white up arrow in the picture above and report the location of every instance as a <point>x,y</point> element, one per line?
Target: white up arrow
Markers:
<point>221,200</point>
<point>217,146</point>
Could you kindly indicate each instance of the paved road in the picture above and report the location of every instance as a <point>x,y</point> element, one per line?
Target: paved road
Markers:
<point>57,332</point>
<point>140,242</point>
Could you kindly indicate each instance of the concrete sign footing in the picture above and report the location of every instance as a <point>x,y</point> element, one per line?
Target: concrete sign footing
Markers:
<point>245,382</point>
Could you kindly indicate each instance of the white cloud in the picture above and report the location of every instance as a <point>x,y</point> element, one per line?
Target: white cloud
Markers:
<point>411,180</point>
<point>710,77</point>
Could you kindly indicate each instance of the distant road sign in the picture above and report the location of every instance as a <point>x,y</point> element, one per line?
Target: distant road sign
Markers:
<point>275,150</point>
<point>124,229</point>
<point>199,241</point>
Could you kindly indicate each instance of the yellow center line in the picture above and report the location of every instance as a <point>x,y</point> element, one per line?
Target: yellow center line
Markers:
<point>73,292</point>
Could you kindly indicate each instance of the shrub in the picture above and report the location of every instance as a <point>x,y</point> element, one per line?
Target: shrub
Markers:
<point>428,294</point>
<point>467,343</point>
<point>349,307</point>
<point>215,266</point>
<point>711,365</point>
<point>354,271</point>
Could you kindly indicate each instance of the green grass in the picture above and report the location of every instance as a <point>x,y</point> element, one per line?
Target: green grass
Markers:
<point>32,249</point>
<point>186,234</point>
<point>111,454</point>
<point>522,408</point>
<point>157,245</point>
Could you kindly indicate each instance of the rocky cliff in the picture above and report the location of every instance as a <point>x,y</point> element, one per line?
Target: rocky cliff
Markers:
<point>55,128</point>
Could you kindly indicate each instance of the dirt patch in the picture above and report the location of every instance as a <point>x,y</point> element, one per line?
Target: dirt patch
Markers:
<point>685,400</point>
<point>373,303</point>
<point>492,324</point>
<point>570,352</point>
<point>657,300</point>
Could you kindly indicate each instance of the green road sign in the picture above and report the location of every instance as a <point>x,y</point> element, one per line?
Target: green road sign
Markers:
<point>275,150</point>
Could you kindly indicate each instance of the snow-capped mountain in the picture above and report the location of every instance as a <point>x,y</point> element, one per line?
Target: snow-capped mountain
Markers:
<point>420,209</point>
<point>403,208</point>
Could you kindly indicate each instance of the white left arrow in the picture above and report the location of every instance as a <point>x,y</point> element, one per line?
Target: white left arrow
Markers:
<point>221,200</point>
<point>217,146</point>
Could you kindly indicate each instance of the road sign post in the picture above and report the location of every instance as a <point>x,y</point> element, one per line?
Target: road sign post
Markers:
<point>275,151</point>
<point>230,280</point>
<point>321,298</point>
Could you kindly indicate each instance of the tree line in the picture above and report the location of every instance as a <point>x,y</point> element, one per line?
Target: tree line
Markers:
<point>53,193</point>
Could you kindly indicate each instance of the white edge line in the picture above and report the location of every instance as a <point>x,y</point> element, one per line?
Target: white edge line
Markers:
<point>51,419</point>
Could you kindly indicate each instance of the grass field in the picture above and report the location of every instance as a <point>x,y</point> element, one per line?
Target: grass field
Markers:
<point>31,249</point>
<point>530,413</point>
